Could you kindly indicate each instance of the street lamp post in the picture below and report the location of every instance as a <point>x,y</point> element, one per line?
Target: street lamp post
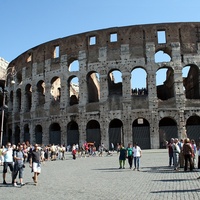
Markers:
<point>12,73</point>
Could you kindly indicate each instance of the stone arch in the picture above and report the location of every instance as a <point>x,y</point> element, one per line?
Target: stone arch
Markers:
<point>72,133</point>
<point>167,130</point>
<point>73,65</point>
<point>115,82</point>
<point>18,100</point>
<point>26,133</point>
<point>28,98</point>
<point>11,99</point>
<point>38,134</point>
<point>139,81</point>
<point>191,83</point>
<point>166,89</point>
<point>17,135</point>
<point>193,128</point>
<point>141,133</point>
<point>55,134</point>
<point>10,135</point>
<point>116,135</point>
<point>162,56</point>
<point>55,89</point>
<point>19,77</point>
<point>93,133</point>
<point>40,93</point>
<point>73,90</point>
<point>93,87</point>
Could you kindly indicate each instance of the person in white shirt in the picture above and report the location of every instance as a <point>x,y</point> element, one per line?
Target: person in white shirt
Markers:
<point>8,161</point>
<point>137,153</point>
<point>176,152</point>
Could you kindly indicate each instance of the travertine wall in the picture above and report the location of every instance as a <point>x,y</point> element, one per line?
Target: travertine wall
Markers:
<point>3,66</point>
<point>135,46</point>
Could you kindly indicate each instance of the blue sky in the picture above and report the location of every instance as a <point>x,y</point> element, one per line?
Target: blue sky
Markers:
<point>25,23</point>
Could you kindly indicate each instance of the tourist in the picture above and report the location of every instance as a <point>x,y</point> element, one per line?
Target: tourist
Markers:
<point>187,152</point>
<point>35,163</point>
<point>8,161</point>
<point>194,148</point>
<point>176,151</point>
<point>1,156</point>
<point>130,155</point>
<point>122,157</point>
<point>18,165</point>
<point>137,153</point>
<point>170,152</point>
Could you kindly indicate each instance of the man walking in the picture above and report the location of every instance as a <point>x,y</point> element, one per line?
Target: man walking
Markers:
<point>35,163</point>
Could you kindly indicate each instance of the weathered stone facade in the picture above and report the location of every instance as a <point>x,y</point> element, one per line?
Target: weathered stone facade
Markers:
<point>3,66</point>
<point>46,110</point>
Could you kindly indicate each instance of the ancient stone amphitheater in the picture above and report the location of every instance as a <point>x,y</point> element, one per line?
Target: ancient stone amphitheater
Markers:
<point>45,105</point>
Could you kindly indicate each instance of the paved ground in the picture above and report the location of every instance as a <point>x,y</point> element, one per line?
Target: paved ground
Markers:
<point>99,178</point>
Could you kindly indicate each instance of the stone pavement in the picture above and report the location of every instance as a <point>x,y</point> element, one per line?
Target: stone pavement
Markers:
<point>99,178</point>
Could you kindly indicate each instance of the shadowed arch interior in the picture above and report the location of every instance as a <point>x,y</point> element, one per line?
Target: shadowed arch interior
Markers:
<point>93,133</point>
<point>55,134</point>
<point>141,133</point>
<point>72,133</point>
<point>167,130</point>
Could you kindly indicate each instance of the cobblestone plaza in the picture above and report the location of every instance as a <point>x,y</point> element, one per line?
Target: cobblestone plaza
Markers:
<point>99,178</point>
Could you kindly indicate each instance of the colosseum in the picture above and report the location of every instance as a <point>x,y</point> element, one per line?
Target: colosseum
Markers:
<point>66,92</point>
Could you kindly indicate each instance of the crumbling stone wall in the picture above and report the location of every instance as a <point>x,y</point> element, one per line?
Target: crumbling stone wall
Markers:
<point>104,101</point>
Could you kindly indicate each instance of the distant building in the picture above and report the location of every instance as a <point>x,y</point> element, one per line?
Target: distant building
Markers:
<point>3,66</point>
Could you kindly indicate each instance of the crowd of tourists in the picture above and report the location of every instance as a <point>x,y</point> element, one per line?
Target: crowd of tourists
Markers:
<point>182,154</point>
<point>14,158</point>
<point>131,154</point>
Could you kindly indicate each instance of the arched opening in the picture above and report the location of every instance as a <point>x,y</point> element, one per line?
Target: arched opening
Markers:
<point>72,133</point>
<point>19,77</point>
<point>17,135</point>
<point>93,134</point>
<point>115,83</point>
<point>167,130</point>
<point>73,87</point>
<point>41,93</point>
<point>93,86</point>
<point>116,135</point>
<point>28,98</point>
<point>161,56</point>
<point>38,134</point>
<point>56,89</point>
<point>141,133</point>
<point>165,87</point>
<point>18,100</point>
<point>55,134</point>
<point>26,133</point>
<point>193,128</point>
<point>191,82</point>
<point>139,82</point>
<point>9,135</point>
<point>74,66</point>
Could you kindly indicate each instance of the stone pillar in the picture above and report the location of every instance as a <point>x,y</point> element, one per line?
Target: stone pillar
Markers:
<point>126,85</point>
<point>83,91</point>
<point>103,86</point>
<point>64,101</point>
<point>23,96</point>
<point>154,131</point>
